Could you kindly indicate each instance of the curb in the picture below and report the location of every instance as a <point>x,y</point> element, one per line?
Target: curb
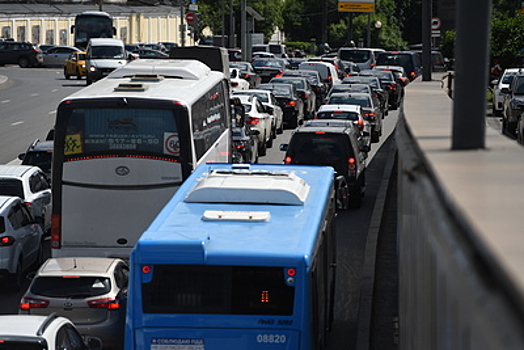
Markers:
<point>368,269</point>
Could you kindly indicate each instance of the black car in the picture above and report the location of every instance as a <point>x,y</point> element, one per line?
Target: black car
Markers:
<point>374,82</point>
<point>334,143</point>
<point>513,105</point>
<point>356,88</point>
<point>389,83</point>
<point>39,154</point>
<point>314,79</point>
<point>305,91</point>
<point>245,143</point>
<point>269,68</point>
<point>290,102</point>
<point>247,72</point>
<point>24,54</point>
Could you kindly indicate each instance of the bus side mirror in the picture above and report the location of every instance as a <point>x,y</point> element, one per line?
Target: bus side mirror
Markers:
<point>72,29</point>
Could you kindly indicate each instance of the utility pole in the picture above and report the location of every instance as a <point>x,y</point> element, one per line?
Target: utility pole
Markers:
<point>231,26</point>
<point>182,25</point>
<point>243,30</point>
<point>426,39</point>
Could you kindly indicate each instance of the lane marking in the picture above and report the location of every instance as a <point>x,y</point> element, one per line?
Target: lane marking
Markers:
<point>17,123</point>
<point>6,101</point>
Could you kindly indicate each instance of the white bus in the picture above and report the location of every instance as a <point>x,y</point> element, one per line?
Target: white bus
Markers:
<point>125,144</point>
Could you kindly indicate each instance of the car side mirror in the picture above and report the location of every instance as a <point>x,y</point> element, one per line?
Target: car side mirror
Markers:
<point>283,147</point>
<point>21,156</point>
<point>505,90</point>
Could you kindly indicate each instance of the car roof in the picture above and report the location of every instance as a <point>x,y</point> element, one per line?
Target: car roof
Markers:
<point>329,108</point>
<point>327,126</point>
<point>27,325</point>
<point>5,202</point>
<point>16,170</point>
<point>81,266</point>
<point>357,94</point>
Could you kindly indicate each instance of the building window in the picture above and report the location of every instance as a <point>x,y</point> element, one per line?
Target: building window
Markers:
<point>63,37</point>
<point>50,36</point>
<point>35,35</point>
<point>6,32</point>
<point>123,34</point>
<point>20,34</point>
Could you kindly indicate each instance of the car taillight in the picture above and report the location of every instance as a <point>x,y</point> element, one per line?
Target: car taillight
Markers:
<point>360,124</point>
<point>30,303</point>
<point>291,103</point>
<point>393,86</point>
<point>252,121</point>
<point>371,115</point>
<point>107,303</point>
<point>279,74</point>
<point>234,83</point>
<point>288,160</point>
<point>55,232</point>
<point>240,145</point>
<point>7,241</point>
<point>352,166</point>
<point>317,89</point>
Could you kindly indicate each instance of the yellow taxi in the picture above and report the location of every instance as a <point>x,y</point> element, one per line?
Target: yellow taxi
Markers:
<point>75,65</point>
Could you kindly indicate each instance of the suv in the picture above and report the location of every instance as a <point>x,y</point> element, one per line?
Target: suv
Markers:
<point>39,154</point>
<point>513,104</point>
<point>21,53</point>
<point>43,333</point>
<point>365,58</point>
<point>92,292</point>
<point>20,241</point>
<point>334,143</point>
<point>409,60</point>
<point>503,82</point>
<point>30,184</point>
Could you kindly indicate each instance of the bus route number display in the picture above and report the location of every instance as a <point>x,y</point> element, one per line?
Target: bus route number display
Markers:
<point>177,344</point>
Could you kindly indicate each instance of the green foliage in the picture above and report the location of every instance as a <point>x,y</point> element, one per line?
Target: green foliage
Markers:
<point>447,43</point>
<point>298,45</point>
<point>507,40</point>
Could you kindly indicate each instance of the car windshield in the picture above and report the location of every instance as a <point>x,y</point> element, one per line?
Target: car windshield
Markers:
<point>107,52</point>
<point>519,86</point>
<point>299,84</point>
<point>11,187</point>
<point>279,91</point>
<point>260,95</point>
<point>508,77</point>
<point>78,287</point>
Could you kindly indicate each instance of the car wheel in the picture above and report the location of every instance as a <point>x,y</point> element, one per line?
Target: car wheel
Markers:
<point>355,200</point>
<point>78,75</point>
<point>280,130</point>
<point>262,147</point>
<point>343,197</point>
<point>66,75</point>
<point>375,137</point>
<point>88,81</point>
<point>23,62</point>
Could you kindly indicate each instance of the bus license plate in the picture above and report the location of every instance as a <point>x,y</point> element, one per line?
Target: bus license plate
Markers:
<point>177,344</point>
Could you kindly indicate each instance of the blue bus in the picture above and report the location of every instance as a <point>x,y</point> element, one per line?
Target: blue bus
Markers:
<point>242,257</point>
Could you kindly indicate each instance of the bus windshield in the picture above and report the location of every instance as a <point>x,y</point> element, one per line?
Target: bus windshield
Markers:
<point>235,290</point>
<point>89,26</point>
<point>95,130</point>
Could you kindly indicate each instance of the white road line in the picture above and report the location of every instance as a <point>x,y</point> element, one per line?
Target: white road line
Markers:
<point>17,123</point>
<point>52,112</point>
<point>35,94</point>
<point>6,101</point>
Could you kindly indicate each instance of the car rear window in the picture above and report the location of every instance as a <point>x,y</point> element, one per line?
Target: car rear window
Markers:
<point>319,149</point>
<point>11,187</point>
<point>71,286</point>
<point>362,101</point>
<point>357,56</point>
<point>342,115</point>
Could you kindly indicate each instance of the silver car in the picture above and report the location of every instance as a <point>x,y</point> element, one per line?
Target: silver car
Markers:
<point>91,292</point>
<point>56,56</point>
<point>20,241</point>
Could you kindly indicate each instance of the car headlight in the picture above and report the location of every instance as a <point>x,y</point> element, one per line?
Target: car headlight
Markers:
<point>83,65</point>
<point>92,69</point>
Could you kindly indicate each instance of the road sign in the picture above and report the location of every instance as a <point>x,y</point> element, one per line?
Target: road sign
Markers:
<point>356,5</point>
<point>191,17</point>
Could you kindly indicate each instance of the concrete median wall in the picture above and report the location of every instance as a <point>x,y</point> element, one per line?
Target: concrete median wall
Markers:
<point>460,232</point>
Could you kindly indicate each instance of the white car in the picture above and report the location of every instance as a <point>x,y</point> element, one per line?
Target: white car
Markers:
<point>237,83</point>
<point>31,184</point>
<point>259,119</point>
<point>44,333</point>
<point>498,85</point>
<point>269,100</point>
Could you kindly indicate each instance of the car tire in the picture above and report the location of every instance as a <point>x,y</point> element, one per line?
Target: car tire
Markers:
<point>78,75</point>
<point>23,62</point>
<point>355,200</point>
<point>343,197</point>
<point>281,129</point>
<point>262,147</point>
<point>66,75</point>
<point>88,81</point>
<point>375,136</point>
